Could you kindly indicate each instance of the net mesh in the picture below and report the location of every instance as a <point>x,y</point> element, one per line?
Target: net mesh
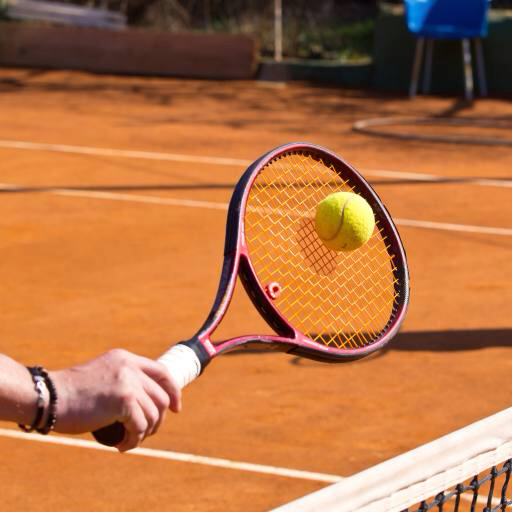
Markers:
<point>488,492</point>
<point>340,299</point>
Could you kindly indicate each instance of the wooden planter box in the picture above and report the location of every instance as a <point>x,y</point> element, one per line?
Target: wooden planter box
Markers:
<point>133,51</point>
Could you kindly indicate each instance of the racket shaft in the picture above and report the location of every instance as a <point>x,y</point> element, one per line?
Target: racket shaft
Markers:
<point>183,366</point>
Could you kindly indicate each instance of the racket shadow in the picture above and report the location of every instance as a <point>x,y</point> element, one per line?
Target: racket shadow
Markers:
<point>434,341</point>
<point>451,340</point>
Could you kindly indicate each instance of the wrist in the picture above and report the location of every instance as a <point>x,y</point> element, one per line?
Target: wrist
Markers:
<point>45,411</point>
<point>62,408</point>
<point>51,417</point>
<point>44,417</point>
<point>24,398</point>
<point>42,401</point>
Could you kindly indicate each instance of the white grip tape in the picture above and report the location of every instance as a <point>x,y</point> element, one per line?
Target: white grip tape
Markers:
<point>182,363</point>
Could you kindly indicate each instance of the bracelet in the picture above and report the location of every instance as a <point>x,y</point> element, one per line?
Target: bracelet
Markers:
<point>52,407</point>
<point>39,385</point>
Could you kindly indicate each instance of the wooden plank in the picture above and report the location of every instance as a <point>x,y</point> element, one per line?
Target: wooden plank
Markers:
<point>140,52</point>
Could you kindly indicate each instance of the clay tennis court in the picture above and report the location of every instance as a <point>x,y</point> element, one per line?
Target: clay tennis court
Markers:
<point>112,214</point>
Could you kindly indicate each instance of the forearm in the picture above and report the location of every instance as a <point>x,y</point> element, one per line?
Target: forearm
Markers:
<point>18,397</point>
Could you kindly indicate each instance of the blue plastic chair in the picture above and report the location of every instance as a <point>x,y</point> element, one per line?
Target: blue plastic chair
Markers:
<point>448,19</point>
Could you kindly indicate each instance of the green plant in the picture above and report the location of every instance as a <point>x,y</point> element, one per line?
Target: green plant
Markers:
<point>347,41</point>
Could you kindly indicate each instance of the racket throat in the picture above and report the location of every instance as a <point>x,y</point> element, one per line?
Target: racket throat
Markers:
<point>202,354</point>
<point>260,299</point>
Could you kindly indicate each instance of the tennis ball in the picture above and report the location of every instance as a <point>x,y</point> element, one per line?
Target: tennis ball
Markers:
<point>344,221</point>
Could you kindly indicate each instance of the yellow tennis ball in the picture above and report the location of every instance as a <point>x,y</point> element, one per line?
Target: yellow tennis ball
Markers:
<point>344,221</point>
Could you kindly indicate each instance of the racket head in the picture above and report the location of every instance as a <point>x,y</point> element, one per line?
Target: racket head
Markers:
<point>322,304</point>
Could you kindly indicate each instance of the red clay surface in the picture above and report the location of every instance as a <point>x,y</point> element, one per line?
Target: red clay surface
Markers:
<point>80,275</point>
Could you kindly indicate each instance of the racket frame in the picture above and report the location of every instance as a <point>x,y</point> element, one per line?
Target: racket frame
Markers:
<point>237,262</point>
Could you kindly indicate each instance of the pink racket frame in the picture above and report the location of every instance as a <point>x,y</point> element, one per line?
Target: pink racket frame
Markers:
<point>237,262</point>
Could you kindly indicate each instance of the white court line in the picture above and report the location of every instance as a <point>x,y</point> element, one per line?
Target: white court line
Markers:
<point>212,160</point>
<point>190,203</point>
<point>415,176</point>
<point>176,456</point>
<point>138,198</point>
<point>466,228</point>
<point>192,459</point>
<point>126,153</point>
<point>446,226</point>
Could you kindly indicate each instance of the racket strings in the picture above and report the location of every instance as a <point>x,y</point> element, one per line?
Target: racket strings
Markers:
<point>338,299</point>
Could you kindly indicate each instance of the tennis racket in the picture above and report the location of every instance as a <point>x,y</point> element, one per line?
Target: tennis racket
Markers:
<point>324,305</point>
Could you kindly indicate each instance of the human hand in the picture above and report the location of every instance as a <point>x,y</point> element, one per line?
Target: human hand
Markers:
<point>116,386</point>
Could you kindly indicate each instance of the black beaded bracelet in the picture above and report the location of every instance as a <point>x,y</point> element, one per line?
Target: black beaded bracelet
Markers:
<point>39,385</point>
<point>52,407</point>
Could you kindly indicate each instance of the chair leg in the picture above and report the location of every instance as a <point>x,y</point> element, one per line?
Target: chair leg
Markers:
<point>413,89</point>
<point>427,75</point>
<point>468,69</point>
<point>480,66</point>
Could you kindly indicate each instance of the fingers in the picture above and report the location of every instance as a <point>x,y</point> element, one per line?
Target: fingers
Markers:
<point>153,391</point>
<point>159,373</point>
<point>159,398</point>
<point>135,424</point>
<point>143,419</point>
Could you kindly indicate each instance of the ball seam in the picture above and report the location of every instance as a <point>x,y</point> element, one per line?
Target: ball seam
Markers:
<point>341,221</point>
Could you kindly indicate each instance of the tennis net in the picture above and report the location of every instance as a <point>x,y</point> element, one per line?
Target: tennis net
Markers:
<point>467,470</point>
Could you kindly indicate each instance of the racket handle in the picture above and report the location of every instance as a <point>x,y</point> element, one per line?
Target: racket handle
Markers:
<point>183,365</point>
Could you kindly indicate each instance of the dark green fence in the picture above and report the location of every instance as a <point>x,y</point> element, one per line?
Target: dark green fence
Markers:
<point>394,53</point>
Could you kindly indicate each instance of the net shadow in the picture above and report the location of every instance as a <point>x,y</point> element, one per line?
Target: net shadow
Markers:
<point>119,188</point>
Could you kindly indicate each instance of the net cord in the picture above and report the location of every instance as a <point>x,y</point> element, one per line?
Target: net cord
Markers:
<point>398,483</point>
